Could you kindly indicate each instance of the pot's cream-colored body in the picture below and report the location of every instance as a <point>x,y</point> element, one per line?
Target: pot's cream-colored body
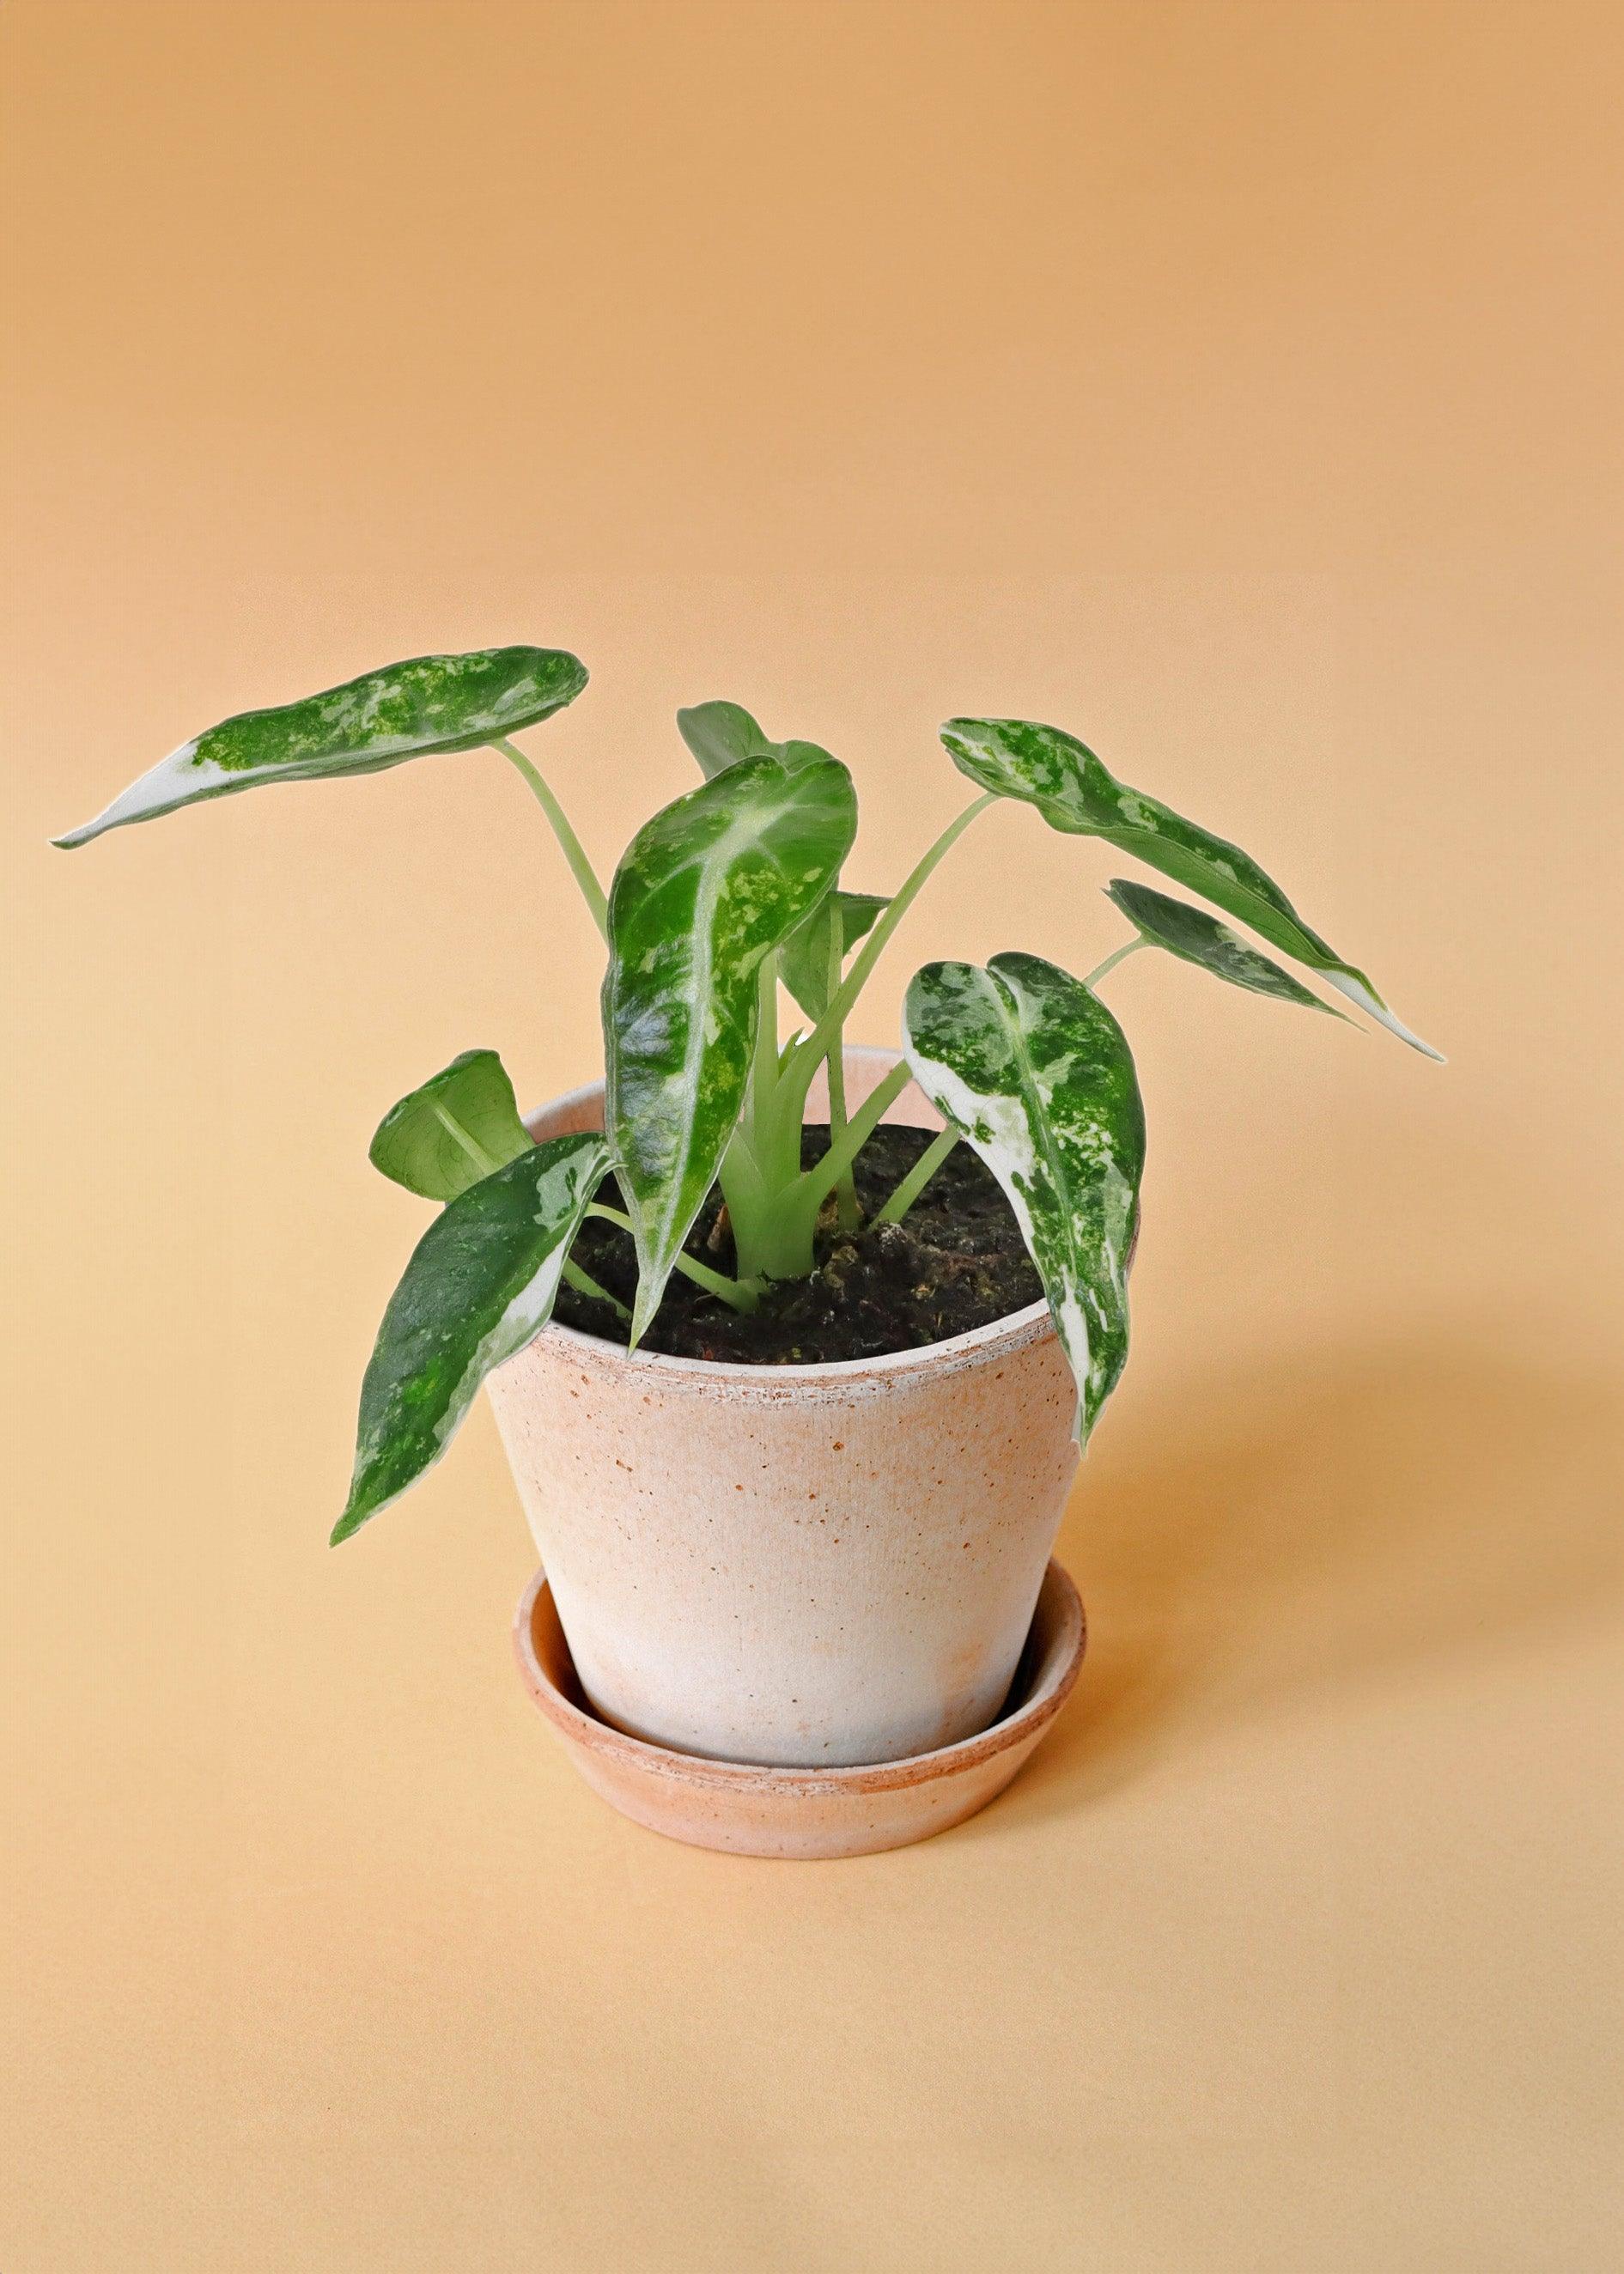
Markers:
<point>800,1566</point>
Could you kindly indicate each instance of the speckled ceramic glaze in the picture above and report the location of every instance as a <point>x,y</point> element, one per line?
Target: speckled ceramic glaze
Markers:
<point>808,1815</point>
<point>794,1566</point>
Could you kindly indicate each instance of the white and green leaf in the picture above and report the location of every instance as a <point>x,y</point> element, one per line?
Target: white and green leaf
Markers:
<point>461,1124</point>
<point>812,958</point>
<point>411,709</point>
<point>481,1284</point>
<point>1196,937</point>
<point>1074,791</point>
<point>723,734</point>
<point>707,888</point>
<point>1035,1073</point>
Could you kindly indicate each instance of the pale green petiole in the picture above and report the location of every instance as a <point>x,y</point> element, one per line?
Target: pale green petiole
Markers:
<point>764,1064</point>
<point>740,1294</point>
<point>846,1191</point>
<point>820,1180</point>
<point>583,1283</point>
<point>807,1059</point>
<point>918,1177</point>
<point>1130,947</point>
<point>574,851</point>
<point>773,1204</point>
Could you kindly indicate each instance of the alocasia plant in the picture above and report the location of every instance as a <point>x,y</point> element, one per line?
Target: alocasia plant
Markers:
<point>727,891</point>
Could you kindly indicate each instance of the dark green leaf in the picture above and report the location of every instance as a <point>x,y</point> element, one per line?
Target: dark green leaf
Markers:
<point>1036,1073</point>
<point>810,959</point>
<point>407,711</point>
<point>1197,938</point>
<point>462,1124</point>
<point>721,734</point>
<point>1073,791</point>
<point>706,890</point>
<point>480,1286</point>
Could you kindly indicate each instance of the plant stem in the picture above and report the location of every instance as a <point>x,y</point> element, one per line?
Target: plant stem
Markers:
<point>846,1189</point>
<point>740,1293</point>
<point>848,1212</point>
<point>820,1180</point>
<point>764,1079</point>
<point>1111,961</point>
<point>918,1177</point>
<point>574,851</point>
<point>583,1283</point>
<point>810,1053</point>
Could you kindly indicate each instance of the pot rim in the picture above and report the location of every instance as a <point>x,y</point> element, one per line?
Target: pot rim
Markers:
<point>1016,1331</point>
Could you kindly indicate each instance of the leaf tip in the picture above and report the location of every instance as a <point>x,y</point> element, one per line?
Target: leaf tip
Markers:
<point>1361,993</point>
<point>348,1524</point>
<point>645,1303</point>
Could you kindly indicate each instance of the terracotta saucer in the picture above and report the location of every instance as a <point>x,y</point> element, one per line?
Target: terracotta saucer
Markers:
<point>804,1813</point>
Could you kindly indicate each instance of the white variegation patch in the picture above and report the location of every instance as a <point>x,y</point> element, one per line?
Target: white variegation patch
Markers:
<point>1348,983</point>
<point>174,781</point>
<point>519,1325</point>
<point>183,778</point>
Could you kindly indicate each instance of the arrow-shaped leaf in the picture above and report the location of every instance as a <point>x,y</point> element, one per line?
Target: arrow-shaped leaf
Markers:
<point>409,709</point>
<point>462,1124</point>
<point>1075,792</point>
<point>706,889</point>
<point>1197,938</point>
<point>810,960</point>
<point>480,1286</point>
<point>723,734</point>
<point>1035,1072</point>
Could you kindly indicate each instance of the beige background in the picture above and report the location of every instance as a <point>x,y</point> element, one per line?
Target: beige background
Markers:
<point>1237,385</point>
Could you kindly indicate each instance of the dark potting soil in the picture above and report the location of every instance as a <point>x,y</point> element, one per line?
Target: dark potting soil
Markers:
<point>957,1261</point>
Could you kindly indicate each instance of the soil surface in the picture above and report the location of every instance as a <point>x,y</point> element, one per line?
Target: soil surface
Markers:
<point>957,1261</point>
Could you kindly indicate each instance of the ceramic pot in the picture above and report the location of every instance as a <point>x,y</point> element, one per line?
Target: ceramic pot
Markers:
<point>797,1566</point>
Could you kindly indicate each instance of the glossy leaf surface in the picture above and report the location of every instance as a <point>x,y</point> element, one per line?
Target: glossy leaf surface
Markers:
<point>480,1286</point>
<point>706,889</point>
<point>723,734</point>
<point>810,960</point>
<point>461,1124</point>
<point>1036,1073</point>
<point>1197,938</point>
<point>1075,792</point>
<point>411,710</point>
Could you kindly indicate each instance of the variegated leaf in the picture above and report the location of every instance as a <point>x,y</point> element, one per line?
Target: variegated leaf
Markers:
<point>1197,938</point>
<point>1034,1071</point>
<point>410,710</point>
<point>480,1286</point>
<point>706,889</point>
<point>721,734</point>
<point>1074,791</point>
<point>461,1124</point>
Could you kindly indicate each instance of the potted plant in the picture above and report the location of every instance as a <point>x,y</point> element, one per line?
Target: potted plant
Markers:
<point>829,1326</point>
